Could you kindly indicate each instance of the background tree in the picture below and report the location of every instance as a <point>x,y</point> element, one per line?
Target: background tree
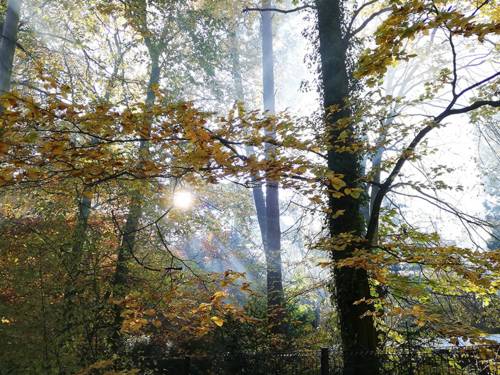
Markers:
<point>10,27</point>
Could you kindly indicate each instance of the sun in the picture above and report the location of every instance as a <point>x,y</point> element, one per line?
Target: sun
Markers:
<point>183,199</point>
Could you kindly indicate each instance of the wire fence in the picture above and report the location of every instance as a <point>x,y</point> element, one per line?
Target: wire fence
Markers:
<point>477,360</point>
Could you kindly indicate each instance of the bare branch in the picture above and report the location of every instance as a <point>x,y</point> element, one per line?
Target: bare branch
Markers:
<point>365,23</point>
<point>359,10</point>
<point>408,152</point>
<point>477,84</point>
<point>278,10</point>
<point>134,256</point>
<point>455,77</point>
<point>469,108</point>
<point>479,7</point>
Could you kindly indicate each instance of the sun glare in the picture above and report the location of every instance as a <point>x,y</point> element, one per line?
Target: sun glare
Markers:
<point>183,199</point>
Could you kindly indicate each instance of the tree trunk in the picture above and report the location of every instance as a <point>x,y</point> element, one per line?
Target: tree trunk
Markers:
<point>121,276</point>
<point>74,257</point>
<point>8,44</point>
<point>272,244</point>
<point>258,194</point>
<point>72,263</point>
<point>266,205</point>
<point>359,337</point>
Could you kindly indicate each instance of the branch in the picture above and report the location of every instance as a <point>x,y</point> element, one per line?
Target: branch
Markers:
<point>479,8</point>
<point>469,108</point>
<point>407,153</point>
<point>359,10</point>
<point>365,22</point>
<point>477,84</point>
<point>278,10</point>
<point>137,260</point>
<point>454,54</point>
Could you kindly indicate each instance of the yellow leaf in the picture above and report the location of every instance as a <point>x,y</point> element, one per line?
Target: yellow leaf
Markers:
<point>218,321</point>
<point>337,182</point>
<point>218,295</point>
<point>338,214</point>
<point>354,192</point>
<point>205,306</point>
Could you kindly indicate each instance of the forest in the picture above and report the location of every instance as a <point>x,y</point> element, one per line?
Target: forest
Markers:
<point>265,187</point>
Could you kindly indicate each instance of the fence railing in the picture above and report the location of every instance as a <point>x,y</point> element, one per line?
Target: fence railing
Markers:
<point>477,360</point>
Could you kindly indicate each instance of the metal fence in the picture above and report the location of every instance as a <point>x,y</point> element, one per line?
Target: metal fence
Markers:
<point>477,360</point>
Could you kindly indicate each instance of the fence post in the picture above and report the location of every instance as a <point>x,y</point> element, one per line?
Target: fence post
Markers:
<point>187,365</point>
<point>325,362</point>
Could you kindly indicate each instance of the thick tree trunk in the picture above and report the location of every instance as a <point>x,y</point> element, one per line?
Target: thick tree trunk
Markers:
<point>129,234</point>
<point>8,43</point>
<point>272,237</point>
<point>359,337</point>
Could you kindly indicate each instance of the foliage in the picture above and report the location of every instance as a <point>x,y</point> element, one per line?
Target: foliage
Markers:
<point>85,121</point>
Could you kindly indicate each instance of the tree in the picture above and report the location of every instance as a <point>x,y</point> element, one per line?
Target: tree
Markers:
<point>352,289</point>
<point>352,285</point>
<point>271,235</point>
<point>120,129</point>
<point>8,43</point>
<point>266,201</point>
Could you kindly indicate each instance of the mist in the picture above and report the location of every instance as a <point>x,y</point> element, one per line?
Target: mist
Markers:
<point>202,183</point>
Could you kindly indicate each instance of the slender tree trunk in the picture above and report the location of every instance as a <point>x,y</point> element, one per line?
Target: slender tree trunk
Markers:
<point>8,44</point>
<point>121,276</point>
<point>74,257</point>
<point>72,263</point>
<point>359,337</point>
<point>272,245</point>
<point>376,166</point>
<point>266,205</point>
<point>258,194</point>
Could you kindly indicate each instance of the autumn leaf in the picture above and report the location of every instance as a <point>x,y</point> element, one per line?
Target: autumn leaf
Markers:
<point>4,147</point>
<point>218,295</point>
<point>150,312</point>
<point>218,321</point>
<point>338,214</point>
<point>336,181</point>
<point>324,263</point>
<point>353,192</point>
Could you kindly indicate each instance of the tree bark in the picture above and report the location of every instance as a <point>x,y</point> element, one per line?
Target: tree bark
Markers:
<point>359,337</point>
<point>8,44</point>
